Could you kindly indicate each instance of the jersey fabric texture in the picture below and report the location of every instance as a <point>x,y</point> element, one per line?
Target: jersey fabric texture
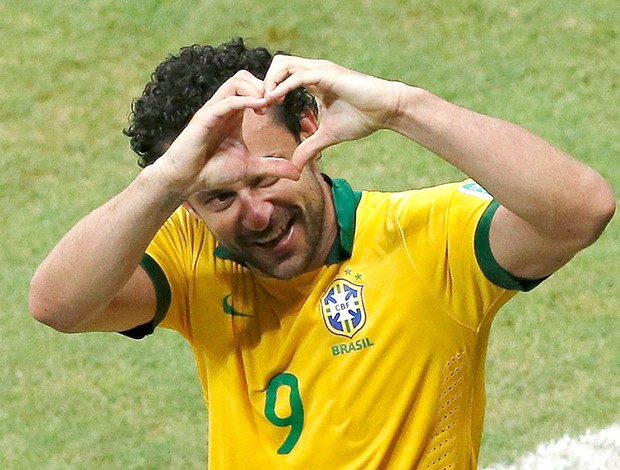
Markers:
<point>376,360</point>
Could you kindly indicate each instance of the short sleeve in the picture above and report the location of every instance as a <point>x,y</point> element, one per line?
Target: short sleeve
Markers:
<point>491,268</point>
<point>162,293</point>
<point>169,262</point>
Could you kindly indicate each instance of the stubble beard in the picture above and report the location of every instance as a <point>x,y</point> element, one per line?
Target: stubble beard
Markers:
<point>305,256</point>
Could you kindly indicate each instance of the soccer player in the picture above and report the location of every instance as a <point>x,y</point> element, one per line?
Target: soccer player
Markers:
<point>331,328</point>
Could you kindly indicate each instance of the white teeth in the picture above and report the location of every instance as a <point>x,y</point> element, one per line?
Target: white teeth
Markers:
<point>275,234</point>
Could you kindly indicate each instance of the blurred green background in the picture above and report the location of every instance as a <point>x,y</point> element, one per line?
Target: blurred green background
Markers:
<point>68,72</point>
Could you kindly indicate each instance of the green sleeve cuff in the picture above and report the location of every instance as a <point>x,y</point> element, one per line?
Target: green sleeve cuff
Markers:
<point>163,296</point>
<point>487,262</point>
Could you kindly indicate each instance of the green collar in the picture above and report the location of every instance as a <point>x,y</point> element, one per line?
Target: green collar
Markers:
<point>345,201</point>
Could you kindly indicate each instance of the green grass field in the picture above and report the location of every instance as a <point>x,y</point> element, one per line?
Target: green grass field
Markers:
<point>68,73</point>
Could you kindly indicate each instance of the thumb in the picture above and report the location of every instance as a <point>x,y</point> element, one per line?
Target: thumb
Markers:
<point>309,148</point>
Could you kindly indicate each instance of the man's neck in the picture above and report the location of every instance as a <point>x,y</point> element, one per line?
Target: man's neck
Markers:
<point>330,227</point>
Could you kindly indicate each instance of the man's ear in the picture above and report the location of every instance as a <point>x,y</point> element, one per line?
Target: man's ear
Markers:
<point>309,124</point>
<point>188,207</point>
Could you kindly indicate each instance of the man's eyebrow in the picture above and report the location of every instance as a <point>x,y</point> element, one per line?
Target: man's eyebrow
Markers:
<point>208,193</point>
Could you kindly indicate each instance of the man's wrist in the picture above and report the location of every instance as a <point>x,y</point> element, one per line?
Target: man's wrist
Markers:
<point>153,181</point>
<point>408,99</point>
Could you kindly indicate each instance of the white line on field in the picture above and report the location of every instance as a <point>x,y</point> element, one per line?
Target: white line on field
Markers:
<point>591,451</point>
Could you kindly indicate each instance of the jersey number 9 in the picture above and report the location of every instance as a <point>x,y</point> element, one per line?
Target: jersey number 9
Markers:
<point>296,418</point>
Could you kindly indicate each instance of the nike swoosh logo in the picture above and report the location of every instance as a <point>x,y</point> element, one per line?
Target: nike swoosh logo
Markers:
<point>229,310</point>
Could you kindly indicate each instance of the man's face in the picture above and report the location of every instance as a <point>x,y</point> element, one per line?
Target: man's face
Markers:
<point>279,227</point>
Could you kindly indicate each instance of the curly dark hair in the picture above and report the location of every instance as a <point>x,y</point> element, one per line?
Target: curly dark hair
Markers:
<point>182,83</point>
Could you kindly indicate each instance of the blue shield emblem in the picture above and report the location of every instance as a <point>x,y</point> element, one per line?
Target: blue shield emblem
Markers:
<point>342,307</point>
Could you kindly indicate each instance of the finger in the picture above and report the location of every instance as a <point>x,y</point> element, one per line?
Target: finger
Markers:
<point>214,121</point>
<point>277,72</point>
<point>283,68</point>
<point>243,83</point>
<point>278,167</point>
<point>310,148</point>
<point>309,81</point>
<point>227,106</point>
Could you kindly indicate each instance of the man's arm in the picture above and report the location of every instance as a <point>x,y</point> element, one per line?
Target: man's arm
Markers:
<point>551,205</point>
<point>91,280</point>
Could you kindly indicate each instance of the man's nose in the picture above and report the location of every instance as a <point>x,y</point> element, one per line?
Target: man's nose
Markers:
<point>257,212</point>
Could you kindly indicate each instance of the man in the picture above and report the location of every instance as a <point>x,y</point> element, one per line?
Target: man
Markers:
<point>331,328</point>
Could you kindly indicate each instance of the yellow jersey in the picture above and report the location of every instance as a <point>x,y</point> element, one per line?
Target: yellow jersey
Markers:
<point>376,360</point>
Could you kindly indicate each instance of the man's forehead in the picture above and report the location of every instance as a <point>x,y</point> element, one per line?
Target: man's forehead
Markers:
<point>264,135</point>
<point>236,160</point>
<point>254,122</point>
<point>232,165</point>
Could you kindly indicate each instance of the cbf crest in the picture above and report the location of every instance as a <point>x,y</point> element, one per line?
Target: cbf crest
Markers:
<point>342,307</point>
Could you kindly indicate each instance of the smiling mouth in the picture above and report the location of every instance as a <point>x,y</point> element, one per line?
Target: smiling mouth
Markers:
<point>275,236</point>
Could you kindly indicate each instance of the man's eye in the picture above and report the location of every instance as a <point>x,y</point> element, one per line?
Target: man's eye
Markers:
<point>220,201</point>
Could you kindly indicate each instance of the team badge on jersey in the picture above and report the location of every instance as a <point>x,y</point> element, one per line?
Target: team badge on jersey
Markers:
<point>342,307</point>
